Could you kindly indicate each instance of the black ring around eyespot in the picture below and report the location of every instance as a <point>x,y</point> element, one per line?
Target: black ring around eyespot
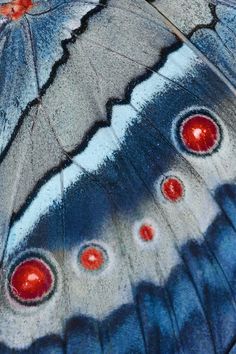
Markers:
<point>178,131</point>
<point>89,266</point>
<point>25,257</point>
<point>178,194</point>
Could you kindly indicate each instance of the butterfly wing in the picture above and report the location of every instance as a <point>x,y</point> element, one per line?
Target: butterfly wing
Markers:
<point>135,228</point>
<point>30,48</point>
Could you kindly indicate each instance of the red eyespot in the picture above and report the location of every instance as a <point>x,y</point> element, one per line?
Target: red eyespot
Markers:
<point>31,281</point>
<point>16,9</point>
<point>200,134</point>
<point>92,258</point>
<point>172,189</point>
<point>147,232</point>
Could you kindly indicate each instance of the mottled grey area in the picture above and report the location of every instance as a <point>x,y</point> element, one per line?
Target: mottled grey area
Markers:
<point>185,14</point>
<point>29,47</point>
<point>120,43</point>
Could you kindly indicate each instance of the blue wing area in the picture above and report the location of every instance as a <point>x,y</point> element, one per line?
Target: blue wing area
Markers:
<point>232,350</point>
<point>30,47</point>
<point>219,44</point>
<point>170,289</point>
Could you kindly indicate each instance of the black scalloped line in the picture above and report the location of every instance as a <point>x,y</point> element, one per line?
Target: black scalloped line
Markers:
<point>64,58</point>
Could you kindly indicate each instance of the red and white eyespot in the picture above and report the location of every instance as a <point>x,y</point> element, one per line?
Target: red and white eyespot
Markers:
<point>31,281</point>
<point>172,189</point>
<point>144,231</point>
<point>92,257</point>
<point>199,134</point>
<point>16,9</point>
<point>147,232</point>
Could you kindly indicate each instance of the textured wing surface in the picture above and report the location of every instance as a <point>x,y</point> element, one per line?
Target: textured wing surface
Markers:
<point>30,47</point>
<point>136,222</point>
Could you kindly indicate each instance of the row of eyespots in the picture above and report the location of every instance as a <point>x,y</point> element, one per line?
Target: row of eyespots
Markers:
<point>33,279</point>
<point>198,134</point>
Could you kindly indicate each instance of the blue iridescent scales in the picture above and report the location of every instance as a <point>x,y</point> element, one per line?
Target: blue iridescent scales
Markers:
<point>133,236</point>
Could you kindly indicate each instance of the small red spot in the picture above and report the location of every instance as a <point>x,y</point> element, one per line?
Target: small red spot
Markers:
<point>172,189</point>
<point>31,280</point>
<point>200,134</point>
<point>147,232</point>
<point>15,9</point>
<point>92,258</point>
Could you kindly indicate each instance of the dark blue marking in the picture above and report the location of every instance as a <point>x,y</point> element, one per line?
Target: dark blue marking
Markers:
<point>219,45</point>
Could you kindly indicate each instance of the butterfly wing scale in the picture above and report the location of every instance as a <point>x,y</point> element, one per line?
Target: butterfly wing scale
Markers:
<point>30,48</point>
<point>173,292</point>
